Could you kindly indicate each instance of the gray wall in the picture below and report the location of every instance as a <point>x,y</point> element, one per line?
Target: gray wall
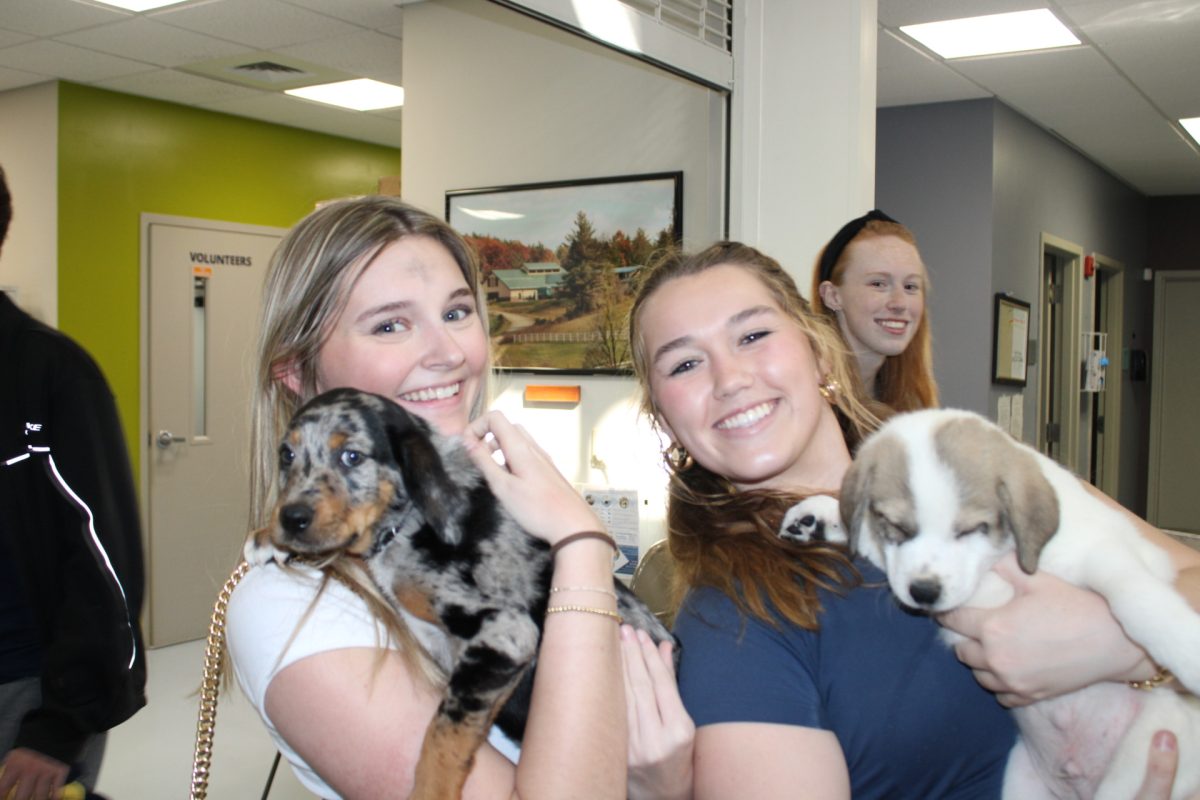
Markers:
<point>1040,184</point>
<point>979,184</point>
<point>933,168</point>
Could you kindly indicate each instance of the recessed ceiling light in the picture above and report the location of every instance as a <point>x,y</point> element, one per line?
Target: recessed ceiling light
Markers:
<point>1192,126</point>
<point>139,5</point>
<point>362,94</point>
<point>1016,32</point>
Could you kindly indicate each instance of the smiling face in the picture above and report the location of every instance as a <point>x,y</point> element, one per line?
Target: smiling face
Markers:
<point>410,331</point>
<point>880,296</point>
<point>734,381</point>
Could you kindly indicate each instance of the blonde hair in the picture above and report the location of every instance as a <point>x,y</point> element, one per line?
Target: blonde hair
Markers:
<point>904,382</point>
<point>309,281</point>
<point>726,538</point>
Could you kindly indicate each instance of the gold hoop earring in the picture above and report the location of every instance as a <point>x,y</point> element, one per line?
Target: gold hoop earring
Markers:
<point>829,389</point>
<point>677,458</point>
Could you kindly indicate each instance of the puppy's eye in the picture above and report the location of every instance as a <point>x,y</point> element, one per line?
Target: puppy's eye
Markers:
<point>286,456</point>
<point>892,531</point>
<point>981,528</point>
<point>351,458</point>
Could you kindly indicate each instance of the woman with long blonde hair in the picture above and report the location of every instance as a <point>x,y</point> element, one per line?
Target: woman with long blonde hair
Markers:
<point>800,675</point>
<point>378,295</point>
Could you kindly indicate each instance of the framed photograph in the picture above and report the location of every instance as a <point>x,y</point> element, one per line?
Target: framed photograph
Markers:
<point>561,262</point>
<point>1010,341</point>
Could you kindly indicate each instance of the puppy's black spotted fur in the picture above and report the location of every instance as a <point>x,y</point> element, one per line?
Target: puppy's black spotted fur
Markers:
<point>361,475</point>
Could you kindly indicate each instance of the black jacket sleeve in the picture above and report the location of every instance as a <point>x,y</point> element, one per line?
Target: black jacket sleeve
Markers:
<point>81,550</point>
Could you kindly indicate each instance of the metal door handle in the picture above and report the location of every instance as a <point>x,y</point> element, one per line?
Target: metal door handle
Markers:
<point>166,439</point>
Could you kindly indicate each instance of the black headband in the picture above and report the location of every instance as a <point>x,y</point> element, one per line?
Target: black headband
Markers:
<point>837,245</point>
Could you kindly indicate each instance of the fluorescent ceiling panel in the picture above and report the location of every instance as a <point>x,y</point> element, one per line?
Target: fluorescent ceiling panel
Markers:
<point>362,94</point>
<point>1015,32</point>
<point>1192,126</point>
<point>139,5</point>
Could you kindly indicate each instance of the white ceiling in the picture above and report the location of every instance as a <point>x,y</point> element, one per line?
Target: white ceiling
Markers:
<point>1115,99</point>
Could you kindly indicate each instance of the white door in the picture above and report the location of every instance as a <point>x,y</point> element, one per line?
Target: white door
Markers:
<point>1172,501</point>
<point>202,281</point>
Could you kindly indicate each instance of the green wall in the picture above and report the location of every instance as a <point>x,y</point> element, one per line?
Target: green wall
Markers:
<point>121,155</point>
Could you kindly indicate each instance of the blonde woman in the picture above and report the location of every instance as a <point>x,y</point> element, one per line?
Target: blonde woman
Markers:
<point>801,675</point>
<point>375,294</point>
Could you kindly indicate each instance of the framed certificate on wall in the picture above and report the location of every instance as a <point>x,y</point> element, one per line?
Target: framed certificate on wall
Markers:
<point>1010,341</point>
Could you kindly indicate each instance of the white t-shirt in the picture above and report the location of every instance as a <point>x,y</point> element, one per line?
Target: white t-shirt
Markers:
<point>263,613</point>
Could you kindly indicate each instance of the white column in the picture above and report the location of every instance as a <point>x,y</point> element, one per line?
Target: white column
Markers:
<point>802,132</point>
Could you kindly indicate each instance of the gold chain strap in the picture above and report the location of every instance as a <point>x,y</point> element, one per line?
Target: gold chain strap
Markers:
<point>210,686</point>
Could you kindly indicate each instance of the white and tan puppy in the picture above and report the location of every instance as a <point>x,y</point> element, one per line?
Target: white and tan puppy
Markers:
<point>935,498</point>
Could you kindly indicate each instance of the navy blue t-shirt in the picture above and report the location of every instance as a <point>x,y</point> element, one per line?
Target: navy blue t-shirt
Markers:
<point>911,720</point>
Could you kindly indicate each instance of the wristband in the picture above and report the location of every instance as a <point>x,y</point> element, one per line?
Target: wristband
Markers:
<point>575,537</point>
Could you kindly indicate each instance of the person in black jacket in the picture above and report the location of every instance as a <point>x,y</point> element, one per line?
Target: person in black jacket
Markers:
<point>71,574</point>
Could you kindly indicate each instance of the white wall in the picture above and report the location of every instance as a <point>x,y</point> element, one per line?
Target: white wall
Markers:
<point>492,98</point>
<point>803,125</point>
<point>29,155</point>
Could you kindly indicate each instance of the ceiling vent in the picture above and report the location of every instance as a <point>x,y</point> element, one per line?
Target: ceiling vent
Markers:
<point>269,71</point>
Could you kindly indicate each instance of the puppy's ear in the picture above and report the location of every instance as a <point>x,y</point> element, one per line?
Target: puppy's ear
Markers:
<point>1029,505</point>
<point>853,502</point>
<point>428,484</point>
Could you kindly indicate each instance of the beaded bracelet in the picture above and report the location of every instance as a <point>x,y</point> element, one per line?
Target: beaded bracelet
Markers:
<point>593,589</point>
<point>1163,676</point>
<point>586,609</point>
<point>574,537</point>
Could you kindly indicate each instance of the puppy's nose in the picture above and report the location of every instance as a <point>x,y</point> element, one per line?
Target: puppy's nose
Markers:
<point>295,517</point>
<point>925,591</point>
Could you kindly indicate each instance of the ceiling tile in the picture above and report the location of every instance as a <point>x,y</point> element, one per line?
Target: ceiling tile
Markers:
<point>1155,44</point>
<point>364,53</point>
<point>152,42</point>
<point>283,110</point>
<point>367,13</point>
<point>9,38</point>
<point>15,79</point>
<point>52,17</point>
<point>906,76</point>
<point>261,24</point>
<point>178,87</point>
<point>895,13</point>
<point>67,61</point>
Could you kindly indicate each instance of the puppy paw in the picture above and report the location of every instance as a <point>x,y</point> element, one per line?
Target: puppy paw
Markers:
<point>814,519</point>
<point>259,550</point>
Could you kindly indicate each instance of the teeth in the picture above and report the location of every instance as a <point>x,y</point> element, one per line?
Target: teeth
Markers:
<point>437,393</point>
<point>893,326</point>
<point>745,418</point>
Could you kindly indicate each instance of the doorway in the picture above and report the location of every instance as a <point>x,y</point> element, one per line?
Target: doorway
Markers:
<point>201,288</point>
<point>1172,501</point>
<point>1104,438</point>
<point>1059,346</point>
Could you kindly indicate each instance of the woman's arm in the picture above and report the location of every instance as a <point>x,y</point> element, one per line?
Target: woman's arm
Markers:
<point>361,730</point>
<point>750,760</point>
<point>575,741</point>
<point>1053,637</point>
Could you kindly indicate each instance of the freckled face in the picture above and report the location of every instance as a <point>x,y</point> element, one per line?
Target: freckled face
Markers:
<point>734,380</point>
<point>881,297</point>
<point>411,332</point>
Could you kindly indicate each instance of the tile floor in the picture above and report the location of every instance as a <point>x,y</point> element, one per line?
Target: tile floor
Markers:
<point>149,757</point>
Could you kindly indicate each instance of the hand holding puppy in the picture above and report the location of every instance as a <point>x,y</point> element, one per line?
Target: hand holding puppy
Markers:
<point>1050,639</point>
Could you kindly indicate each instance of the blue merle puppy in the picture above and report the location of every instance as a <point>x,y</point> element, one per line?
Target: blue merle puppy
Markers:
<point>361,476</point>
